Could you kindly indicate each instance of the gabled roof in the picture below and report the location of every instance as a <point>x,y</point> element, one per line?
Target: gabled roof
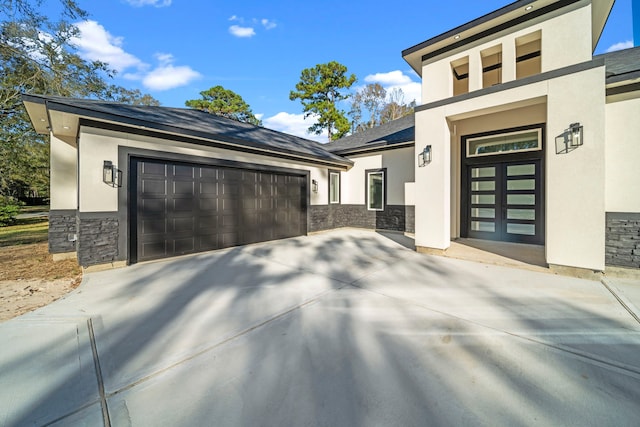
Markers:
<point>396,133</point>
<point>622,65</point>
<point>62,116</point>
<point>518,14</point>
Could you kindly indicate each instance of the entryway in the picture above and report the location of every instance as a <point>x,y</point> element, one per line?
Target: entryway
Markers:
<point>502,183</point>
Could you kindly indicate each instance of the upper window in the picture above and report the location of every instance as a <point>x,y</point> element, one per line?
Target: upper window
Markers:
<point>512,142</point>
<point>375,190</point>
<point>334,187</point>
<point>529,55</point>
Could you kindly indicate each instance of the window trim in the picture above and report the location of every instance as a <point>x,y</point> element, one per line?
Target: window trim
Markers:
<point>338,174</point>
<point>367,174</point>
<point>469,140</point>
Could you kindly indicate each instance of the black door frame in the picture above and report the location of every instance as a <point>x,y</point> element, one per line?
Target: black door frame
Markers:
<point>467,163</point>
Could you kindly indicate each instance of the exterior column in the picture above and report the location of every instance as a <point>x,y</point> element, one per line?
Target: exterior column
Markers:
<point>433,182</point>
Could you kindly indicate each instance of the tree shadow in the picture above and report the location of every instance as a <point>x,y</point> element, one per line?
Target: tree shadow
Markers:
<point>341,328</point>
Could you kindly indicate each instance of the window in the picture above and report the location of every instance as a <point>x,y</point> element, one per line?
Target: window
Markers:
<point>334,187</point>
<point>513,142</point>
<point>375,190</point>
<point>460,70</point>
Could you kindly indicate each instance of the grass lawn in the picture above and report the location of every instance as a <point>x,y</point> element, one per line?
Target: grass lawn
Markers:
<point>25,231</point>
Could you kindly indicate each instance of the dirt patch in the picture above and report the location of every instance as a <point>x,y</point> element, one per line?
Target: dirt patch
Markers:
<point>29,278</point>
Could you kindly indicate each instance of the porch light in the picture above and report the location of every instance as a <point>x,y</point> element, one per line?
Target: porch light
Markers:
<point>425,156</point>
<point>110,174</point>
<point>314,185</point>
<point>575,134</point>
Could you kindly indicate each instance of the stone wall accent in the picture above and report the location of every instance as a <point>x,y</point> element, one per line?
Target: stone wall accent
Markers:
<point>394,217</point>
<point>62,229</point>
<point>97,238</point>
<point>622,246</point>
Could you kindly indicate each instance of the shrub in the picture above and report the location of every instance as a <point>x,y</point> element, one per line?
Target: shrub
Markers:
<point>9,209</point>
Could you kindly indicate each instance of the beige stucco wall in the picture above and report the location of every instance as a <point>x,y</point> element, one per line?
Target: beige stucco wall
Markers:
<point>63,179</point>
<point>575,222</point>
<point>97,145</point>
<point>566,40</point>
<point>575,201</point>
<point>400,171</point>
<point>622,156</point>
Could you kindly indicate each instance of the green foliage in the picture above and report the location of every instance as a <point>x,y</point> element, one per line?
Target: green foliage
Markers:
<point>226,103</point>
<point>319,90</point>
<point>9,210</point>
<point>37,57</point>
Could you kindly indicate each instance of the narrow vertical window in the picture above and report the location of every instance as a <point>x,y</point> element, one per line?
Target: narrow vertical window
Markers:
<point>334,187</point>
<point>375,190</point>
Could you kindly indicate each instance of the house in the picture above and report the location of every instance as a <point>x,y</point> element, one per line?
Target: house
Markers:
<point>523,136</point>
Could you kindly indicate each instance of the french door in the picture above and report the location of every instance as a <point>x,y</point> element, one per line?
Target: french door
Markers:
<point>504,201</point>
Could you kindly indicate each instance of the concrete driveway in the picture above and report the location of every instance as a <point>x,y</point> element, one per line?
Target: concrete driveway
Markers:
<point>346,328</point>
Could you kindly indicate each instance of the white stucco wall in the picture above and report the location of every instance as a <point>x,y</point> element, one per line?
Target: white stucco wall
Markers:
<point>622,156</point>
<point>575,182</point>
<point>575,213</point>
<point>63,179</point>
<point>566,40</point>
<point>97,145</point>
<point>400,171</point>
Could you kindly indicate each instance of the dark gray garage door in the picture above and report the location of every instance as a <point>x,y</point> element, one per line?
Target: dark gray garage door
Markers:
<point>182,208</point>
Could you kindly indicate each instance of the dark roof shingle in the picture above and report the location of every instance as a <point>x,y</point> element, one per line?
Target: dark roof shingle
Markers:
<point>394,132</point>
<point>191,123</point>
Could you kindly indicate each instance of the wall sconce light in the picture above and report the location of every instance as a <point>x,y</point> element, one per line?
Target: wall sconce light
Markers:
<point>425,156</point>
<point>314,185</point>
<point>575,134</point>
<point>110,174</point>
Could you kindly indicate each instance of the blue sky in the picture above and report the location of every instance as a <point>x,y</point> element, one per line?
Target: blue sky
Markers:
<point>173,49</point>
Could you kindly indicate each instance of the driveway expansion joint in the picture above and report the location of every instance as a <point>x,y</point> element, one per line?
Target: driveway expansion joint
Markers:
<point>626,304</point>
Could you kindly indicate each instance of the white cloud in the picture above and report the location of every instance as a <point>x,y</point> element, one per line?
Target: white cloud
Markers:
<point>397,79</point>
<point>239,31</point>
<point>268,25</point>
<point>294,124</point>
<point>97,44</point>
<point>620,46</point>
<point>156,3</point>
<point>167,76</point>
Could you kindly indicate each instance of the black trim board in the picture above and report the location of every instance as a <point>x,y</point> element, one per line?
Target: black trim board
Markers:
<point>208,143</point>
<point>535,13</point>
<point>619,90</point>
<point>549,75</point>
<point>374,148</point>
<point>125,192</point>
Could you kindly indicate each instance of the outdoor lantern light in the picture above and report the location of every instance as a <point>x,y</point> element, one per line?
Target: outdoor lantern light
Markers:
<point>575,134</point>
<point>314,185</point>
<point>110,173</point>
<point>425,156</point>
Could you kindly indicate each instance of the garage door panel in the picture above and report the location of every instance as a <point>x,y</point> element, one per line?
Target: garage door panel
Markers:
<point>154,187</point>
<point>185,208</point>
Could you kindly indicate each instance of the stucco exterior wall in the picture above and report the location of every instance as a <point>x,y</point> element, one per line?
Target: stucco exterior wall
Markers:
<point>575,182</point>
<point>400,170</point>
<point>97,145</point>
<point>566,40</point>
<point>575,214</point>
<point>63,179</point>
<point>622,156</point>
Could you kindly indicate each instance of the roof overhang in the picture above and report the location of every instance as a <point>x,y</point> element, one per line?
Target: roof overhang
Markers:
<point>373,147</point>
<point>64,120</point>
<point>515,16</point>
